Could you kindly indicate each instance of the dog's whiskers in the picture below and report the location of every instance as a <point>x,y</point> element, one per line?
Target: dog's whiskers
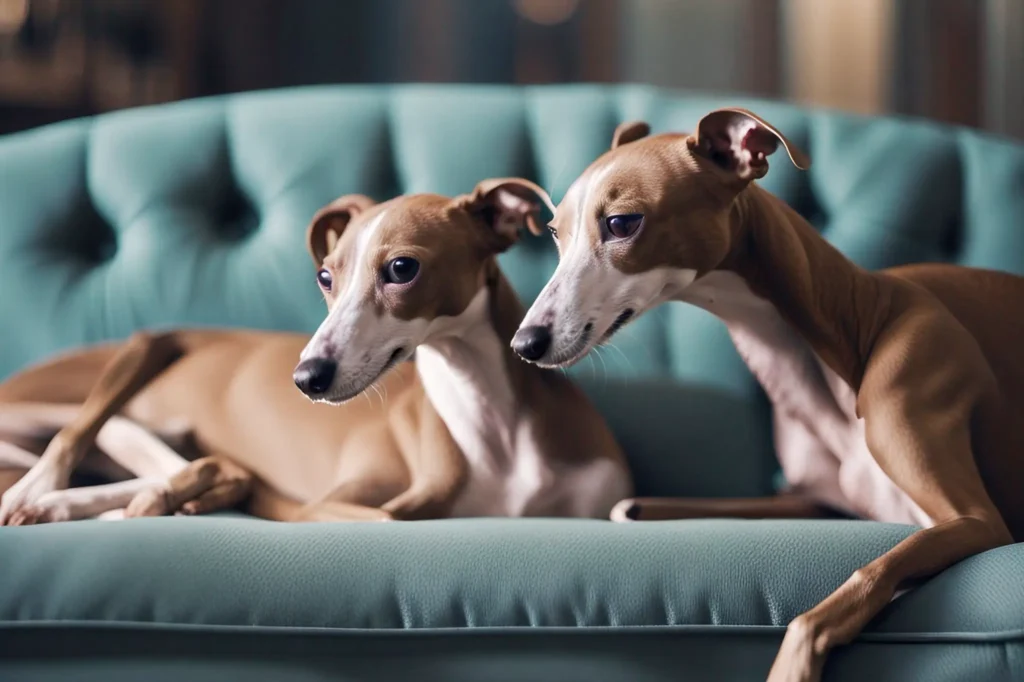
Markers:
<point>604,366</point>
<point>377,391</point>
<point>629,363</point>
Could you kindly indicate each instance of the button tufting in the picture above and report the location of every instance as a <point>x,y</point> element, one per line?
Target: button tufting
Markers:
<point>236,218</point>
<point>198,179</point>
<point>88,236</point>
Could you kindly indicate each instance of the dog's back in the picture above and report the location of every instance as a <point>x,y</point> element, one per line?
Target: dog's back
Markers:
<point>988,304</point>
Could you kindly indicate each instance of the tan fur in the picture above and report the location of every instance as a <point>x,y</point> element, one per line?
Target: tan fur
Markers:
<point>226,398</point>
<point>931,353</point>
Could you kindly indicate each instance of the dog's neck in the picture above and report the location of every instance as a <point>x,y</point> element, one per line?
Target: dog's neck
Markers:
<point>472,378</point>
<point>830,302</point>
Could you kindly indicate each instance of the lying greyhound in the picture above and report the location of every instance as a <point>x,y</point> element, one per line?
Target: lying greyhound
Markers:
<point>897,394</point>
<point>469,431</point>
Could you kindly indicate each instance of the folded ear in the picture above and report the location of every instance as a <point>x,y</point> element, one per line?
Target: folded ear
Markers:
<point>507,205</point>
<point>330,222</point>
<point>740,141</point>
<point>630,131</point>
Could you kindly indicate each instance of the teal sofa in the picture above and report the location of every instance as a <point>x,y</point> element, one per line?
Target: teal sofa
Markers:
<point>194,214</point>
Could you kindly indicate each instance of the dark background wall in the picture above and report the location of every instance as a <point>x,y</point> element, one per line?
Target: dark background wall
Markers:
<point>952,60</point>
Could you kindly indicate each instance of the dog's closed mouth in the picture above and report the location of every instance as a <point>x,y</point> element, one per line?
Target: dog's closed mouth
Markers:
<point>622,319</point>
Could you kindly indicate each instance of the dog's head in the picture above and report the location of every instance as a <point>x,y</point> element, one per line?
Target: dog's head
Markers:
<point>398,274</point>
<point>644,221</point>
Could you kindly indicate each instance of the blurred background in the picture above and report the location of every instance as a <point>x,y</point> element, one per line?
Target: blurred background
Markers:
<point>959,61</point>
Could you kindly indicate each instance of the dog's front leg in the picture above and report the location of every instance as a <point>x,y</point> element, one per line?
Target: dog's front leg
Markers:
<point>436,464</point>
<point>925,448</point>
<point>842,615</point>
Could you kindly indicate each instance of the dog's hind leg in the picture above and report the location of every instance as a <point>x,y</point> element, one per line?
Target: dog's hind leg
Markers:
<point>130,445</point>
<point>124,442</point>
<point>140,359</point>
<point>138,450</point>
<point>783,506</point>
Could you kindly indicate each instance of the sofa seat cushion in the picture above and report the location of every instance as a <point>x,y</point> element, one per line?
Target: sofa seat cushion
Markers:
<point>184,597</point>
<point>478,573</point>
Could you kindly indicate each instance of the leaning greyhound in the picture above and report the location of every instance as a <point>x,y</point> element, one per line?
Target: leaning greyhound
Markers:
<point>896,394</point>
<point>464,430</point>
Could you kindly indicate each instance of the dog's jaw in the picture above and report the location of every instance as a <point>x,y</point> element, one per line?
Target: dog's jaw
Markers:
<point>589,311</point>
<point>353,387</point>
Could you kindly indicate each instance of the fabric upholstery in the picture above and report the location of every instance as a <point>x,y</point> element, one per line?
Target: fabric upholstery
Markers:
<point>730,585</point>
<point>194,213</point>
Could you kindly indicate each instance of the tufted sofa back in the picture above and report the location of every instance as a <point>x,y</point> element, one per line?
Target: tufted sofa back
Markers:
<point>194,213</point>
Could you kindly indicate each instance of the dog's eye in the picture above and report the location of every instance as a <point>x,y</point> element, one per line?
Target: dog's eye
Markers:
<point>324,279</point>
<point>622,226</point>
<point>401,270</point>
<point>553,231</point>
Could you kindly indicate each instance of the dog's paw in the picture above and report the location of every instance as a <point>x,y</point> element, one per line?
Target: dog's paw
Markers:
<point>798,660</point>
<point>20,503</point>
<point>150,502</point>
<point>42,512</point>
<point>112,515</point>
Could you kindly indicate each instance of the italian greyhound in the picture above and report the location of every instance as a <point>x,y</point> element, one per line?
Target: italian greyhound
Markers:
<point>466,429</point>
<point>896,394</point>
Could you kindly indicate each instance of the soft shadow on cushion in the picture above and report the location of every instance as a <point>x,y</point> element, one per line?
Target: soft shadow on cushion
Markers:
<point>688,439</point>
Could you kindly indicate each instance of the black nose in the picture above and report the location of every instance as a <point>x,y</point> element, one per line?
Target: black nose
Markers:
<point>314,376</point>
<point>531,343</point>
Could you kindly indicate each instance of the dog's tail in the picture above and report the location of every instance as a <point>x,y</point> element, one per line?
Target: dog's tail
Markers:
<point>268,503</point>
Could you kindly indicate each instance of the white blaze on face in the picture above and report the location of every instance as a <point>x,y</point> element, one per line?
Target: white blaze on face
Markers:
<point>353,334</point>
<point>575,292</point>
<point>587,293</point>
<point>341,326</point>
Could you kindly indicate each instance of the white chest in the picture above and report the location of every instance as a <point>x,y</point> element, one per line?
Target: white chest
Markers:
<point>521,489</point>
<point>465,378</point>
<point>819,439</point>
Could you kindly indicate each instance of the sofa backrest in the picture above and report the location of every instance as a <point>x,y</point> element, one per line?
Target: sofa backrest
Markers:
<point>194,214</point>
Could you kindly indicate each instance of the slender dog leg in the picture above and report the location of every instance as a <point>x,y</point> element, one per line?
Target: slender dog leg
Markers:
<point>138,450</point>
<point>122,440</point>
<point>89,501</point>
<point>437,467</point>
<point>784,506</point>
<point>923,443</point>
<point>128,444</point>
<point>141,358</point>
